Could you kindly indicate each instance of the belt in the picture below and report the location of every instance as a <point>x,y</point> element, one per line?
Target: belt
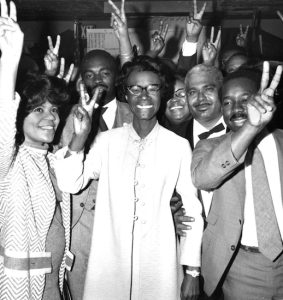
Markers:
<point>250,249</point>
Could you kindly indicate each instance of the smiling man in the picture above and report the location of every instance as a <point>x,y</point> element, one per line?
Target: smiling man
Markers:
<point>202,84</point>
<point>242,243</point>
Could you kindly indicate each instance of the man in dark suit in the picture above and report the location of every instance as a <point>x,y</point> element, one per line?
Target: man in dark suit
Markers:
<point>98,70</point>
<point>242,243</point>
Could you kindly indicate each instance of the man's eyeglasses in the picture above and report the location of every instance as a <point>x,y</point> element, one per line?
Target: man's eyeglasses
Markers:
<point>151,89</point>
<point>180,93</point>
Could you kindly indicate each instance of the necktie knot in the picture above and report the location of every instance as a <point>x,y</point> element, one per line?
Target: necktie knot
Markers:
<point>215,129</point>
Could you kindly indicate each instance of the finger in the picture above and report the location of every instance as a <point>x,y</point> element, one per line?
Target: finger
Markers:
<point>265,101</point>
<point>183,227</point>
<point>50,44</point>
<point>241,29</point>
<point>247,29</point>
<point>218,38</point>
<point>258,104</point>
<point>83,94</point>
<point>200,14</point>
<point>4,9</point>
<point>276,79</point>
<point>82,112</point>
<point>112,20</point>
<point>96,95</point>
<point>165,30</point>
<point>160,26</point>
<point>57,45</point>
<point>69,74</point>
<point>212,34</point>
<point>116,19</point>
<point>279,15</point>
<point>181,233</point>
<point>264,77</point>
<point>13,11</point>
<point>62,68</point>
<point>123,15</point>
<point>195,9</point>
<point>116,9</point>
<point>6,27</point>
<point>175,207</point>
<point>185,219</point>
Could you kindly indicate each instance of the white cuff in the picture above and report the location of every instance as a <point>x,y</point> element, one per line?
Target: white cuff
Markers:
<point>189,48</point>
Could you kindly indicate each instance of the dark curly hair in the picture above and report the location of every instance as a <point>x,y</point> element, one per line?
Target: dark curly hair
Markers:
<point>36,90</point>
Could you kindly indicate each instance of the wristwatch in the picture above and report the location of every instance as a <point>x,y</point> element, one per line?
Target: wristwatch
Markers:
<point>193,273</point>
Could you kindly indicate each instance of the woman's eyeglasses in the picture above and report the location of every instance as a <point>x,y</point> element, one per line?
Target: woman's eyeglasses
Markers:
<point>151,89</point>
<point>180,93</point>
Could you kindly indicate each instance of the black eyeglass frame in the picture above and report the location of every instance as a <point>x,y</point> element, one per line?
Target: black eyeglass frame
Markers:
<point>145,88</point>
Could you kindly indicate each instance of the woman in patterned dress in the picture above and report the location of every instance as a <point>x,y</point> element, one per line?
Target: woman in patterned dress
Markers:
<point>34,228</point>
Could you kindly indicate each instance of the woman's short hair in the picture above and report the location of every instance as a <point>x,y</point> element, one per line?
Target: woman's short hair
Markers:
<point>140,64</point>
<point>36,90</point>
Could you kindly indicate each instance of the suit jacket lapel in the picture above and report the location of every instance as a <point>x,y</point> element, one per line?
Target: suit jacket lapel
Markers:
<point>278,137</point>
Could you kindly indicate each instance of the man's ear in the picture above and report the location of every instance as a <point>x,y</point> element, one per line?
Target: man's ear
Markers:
<point>126,97</point>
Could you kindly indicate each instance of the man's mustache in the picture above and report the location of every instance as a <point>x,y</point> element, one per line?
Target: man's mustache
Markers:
<point>239,115</point>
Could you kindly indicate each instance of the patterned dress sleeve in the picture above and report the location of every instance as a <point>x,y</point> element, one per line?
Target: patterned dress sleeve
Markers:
<point>8,115</point>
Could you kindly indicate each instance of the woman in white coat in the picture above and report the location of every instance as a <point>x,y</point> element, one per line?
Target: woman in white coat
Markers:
<point>134,252</point>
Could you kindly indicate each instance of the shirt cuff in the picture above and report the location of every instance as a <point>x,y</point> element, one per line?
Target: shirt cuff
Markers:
<point>189,48</point>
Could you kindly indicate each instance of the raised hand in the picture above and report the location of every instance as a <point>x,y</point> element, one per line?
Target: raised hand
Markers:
<point>157,41</point>
<point>89,104</point>
<point>209,53</point>
<point>261,107</point>
<point>51,60</point>
<point>217,41</point>
<point>120,27</point>
<point>241,38</point>
<point>11,36</point>
<point>119,20</point>
<point>62,74</point>
<point>194,25</point>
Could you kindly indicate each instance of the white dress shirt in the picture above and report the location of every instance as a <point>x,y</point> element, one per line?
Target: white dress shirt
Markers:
<point>189,48</point>
<point>268,150</point>
<point>110,114</point>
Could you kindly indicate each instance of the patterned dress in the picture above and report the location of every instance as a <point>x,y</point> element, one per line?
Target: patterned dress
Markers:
<point>27,206</point>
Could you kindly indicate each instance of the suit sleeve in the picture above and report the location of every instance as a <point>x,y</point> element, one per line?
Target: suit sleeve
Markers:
<point>212,162</point>
<point>191,244</point>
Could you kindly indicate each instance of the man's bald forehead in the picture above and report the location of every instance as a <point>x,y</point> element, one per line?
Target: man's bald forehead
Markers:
<point>99,54</point>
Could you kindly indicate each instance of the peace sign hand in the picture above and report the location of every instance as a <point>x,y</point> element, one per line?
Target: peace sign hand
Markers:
<point>241,38</point>
<point>261,107</point>
<point>51,60</point>
<point>157,41</point>
<point>209,53</point>
<point>194,25</point>
<point>68,74</point>
<point>11,36</point>
<point>119,20</point>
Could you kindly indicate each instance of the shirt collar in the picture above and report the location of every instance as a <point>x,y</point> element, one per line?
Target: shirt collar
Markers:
<point>149,138</point>
<point>198,128</point>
